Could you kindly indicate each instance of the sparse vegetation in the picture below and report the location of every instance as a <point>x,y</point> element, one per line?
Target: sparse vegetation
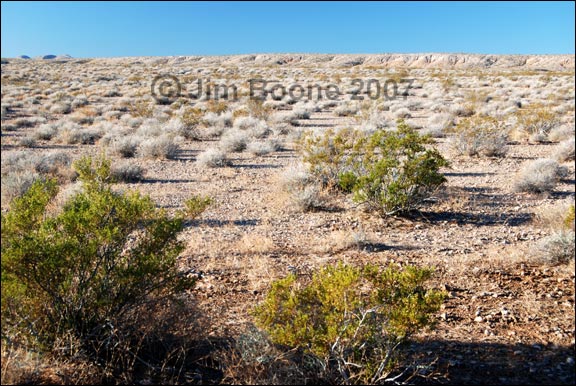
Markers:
<point>500,235</point>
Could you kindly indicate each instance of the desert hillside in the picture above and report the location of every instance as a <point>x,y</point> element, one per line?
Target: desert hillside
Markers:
<point>431,60</point>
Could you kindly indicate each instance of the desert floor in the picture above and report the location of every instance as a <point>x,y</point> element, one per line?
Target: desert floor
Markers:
<point>509,315</point>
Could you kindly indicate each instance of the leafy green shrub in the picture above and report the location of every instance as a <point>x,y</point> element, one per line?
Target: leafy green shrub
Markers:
<point>391,171</point>
<point>195,205</point>
<point>569,219</point>
<point>352,319</point>
<point>328,155</point>
<point>82,271</point>
<point>396,172</point>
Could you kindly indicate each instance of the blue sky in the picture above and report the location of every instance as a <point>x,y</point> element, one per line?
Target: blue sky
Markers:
<point>106,29</point>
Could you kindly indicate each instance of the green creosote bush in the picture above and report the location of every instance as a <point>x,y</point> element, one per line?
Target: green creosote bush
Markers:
<point>390,171</point>
<point>104,256</point>
<point>352,319</point>
<point>328,155</point>
<point>569,219</point>
<point>195,205</point>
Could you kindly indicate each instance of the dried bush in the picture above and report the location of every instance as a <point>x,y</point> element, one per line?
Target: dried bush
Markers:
<point>303,189</point>
<point>127,172</point>
<point>27,142</point>
<point>536,122</point>
<point>213,158</point>
<point>564,151</point>
<point>125,147</point>
<point>164,146</point>
<point>558,248</point>
<point>260,148</point>
<point>234,141</point>
<point>257,109</point>
<point>16,184</point>
<point>46,131</point>
<point>539,176</point>
<point>346,110</point>
<point>480,135</point>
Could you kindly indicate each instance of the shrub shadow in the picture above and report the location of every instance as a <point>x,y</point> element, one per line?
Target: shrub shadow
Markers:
<point>448,362</point>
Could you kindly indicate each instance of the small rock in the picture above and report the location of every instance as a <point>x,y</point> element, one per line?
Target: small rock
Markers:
<point>570,360</point>
<point>478,319</point>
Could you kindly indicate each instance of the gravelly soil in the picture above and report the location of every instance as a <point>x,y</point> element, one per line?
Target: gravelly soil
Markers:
<point>508,319</point>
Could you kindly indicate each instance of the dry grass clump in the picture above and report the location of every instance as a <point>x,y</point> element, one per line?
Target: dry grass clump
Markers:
<point>234,141</point>
<point>437,125</point>
<point>257,109</point>
<point>55,164</point>
<point>212,158</point>
<point>559,246</point>
<point>560,133</point>
<point>462,110</point>
<point>221,120</point>
<point>16,184</point>
<point>301,111</point>
<point>27,142</point>
<point>539,176</point>
<point>564,151</point>
<point>127,172</point>
<point>260,148</point>
<point>46,131</point>
<point>480,135</point>
<point>72,133</point>
<point>536,122</point>
<point>125,147</point>
<point>346,110</point>
<point>256,361</point>
<point>28,122</point>
<point>555,216</point>
<point>61,108</point>
<point>164,146</point>
<point>302,187</point>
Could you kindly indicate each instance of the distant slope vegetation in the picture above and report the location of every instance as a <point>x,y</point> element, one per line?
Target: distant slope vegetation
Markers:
<point>431,60</point>
<point>443,61</point>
